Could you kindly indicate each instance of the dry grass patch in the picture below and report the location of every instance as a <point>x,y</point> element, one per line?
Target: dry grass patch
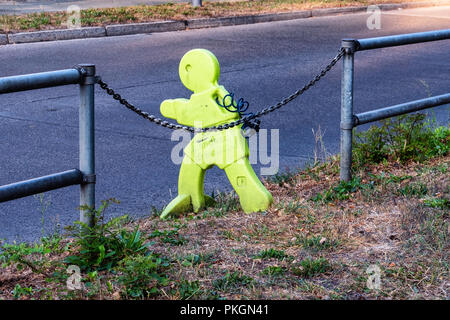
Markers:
<point>179,11</point>
<point>301,248</point>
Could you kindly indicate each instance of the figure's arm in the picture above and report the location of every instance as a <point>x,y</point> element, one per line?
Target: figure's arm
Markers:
<point>173,108</point>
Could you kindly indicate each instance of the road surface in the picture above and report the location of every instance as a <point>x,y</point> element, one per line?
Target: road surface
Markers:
<point>261,62</point>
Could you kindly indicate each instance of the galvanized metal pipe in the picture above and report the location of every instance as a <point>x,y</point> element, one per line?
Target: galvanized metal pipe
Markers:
<point>402,39</point>
<point>379,114</point>
<point>196,3</point>
<point>42,184</point>
<point>347,109</point>
<point>39,80</point>
<point>87,150</point>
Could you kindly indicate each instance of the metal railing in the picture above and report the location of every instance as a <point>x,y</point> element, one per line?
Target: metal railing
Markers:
<point>350,120</point>
<point>84,75</point>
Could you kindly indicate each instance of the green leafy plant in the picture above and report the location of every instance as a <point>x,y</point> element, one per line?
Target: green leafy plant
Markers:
<point>273,271</point>
<point>33,256</point>
<point>413,189</point>
<point>282,178</point>
<point>232,281</point>
<point>169,236</point>
<point>195,259</point>
<point>189,289</point>
<point>142,276</point>
<point>271,253</point>
<point>104,244</point>
<point>317,242</point>
<point>222,204</point>
<point>402,138</point>
<point>311,267</point>
<point>440,203</point>
<point>20,291</point>
<point>341,190</point>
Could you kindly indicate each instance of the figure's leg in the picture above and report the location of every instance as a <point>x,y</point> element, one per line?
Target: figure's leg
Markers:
<point>190,182</point>
<point>190,189</point>
<point>253,196</point>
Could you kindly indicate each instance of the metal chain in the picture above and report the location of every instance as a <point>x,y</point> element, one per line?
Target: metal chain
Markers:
<point>225,126</point>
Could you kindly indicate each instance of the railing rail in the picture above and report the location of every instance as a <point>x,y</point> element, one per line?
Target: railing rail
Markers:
<point>350,120</point>
<point>39,80</point>
<point>401,39</point>
<point>84,75</point>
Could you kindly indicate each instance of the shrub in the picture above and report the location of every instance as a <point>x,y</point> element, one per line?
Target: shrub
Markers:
<point>105,244</point>
<point>142,276</point>
<point>402,138</point>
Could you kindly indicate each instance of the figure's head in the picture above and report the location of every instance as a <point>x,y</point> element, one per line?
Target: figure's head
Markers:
<point>199,70</point>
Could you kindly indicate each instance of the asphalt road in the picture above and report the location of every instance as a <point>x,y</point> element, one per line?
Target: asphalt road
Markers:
<point>261,62</point>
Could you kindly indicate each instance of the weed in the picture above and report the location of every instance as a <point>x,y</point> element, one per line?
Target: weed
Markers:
<point>384,179</point>
<point>20,291</point>
<point>221,204</point>
<point>341,190</point>
<point>290,207</point>
<point>317,242</point>
<point>271,253</point>
<point>402,138</point>
<point>195,259</point>
<point>311,267</point>
<point>169,236</point>
<point>44,204</point>
<point>103,245</point>
<point>188,290</point>
<point>413,190</point>
<point>232,281</point>
<point>273,271</point>
<point>33,256</point>
<point>439,203</point>
<point>282,178</point>
<point>320,152</point>
<point>142,276</point>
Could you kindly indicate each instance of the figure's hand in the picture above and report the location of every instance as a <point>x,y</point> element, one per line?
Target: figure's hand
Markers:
<point>168,109</point>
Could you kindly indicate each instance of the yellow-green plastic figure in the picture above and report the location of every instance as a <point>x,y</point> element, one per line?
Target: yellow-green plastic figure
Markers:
<point>199,72</point>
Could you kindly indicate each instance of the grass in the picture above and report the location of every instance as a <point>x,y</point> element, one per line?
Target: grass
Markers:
<point>182,11</point>
<point>271,253</point>
<point>311,267</point>
<point>393,215</point>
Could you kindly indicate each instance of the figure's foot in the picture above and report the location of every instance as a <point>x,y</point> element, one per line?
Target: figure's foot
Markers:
<point>253,196</point>
<point>255,200</point>
<point>180,204</point>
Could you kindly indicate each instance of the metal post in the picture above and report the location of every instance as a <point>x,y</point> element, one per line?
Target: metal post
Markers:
<point>87,155</point>
<point>196,3</point>
<point>347,110</point>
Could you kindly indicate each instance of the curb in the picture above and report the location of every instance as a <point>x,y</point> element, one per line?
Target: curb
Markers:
<point>237,20</point>
<point>149,27</point>
<point>52,35</point>
<point>180,25</point>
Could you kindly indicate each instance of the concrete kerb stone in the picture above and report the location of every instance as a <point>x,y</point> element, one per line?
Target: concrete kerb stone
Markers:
<point>236,20</point>
<point>164,26</point>
<point>51,35</point>
<point>334,11</point>
<point>147,27</point>
<point>3,39</point>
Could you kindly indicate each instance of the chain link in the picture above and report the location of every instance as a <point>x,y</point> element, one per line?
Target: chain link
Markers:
<point>225,126</point>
